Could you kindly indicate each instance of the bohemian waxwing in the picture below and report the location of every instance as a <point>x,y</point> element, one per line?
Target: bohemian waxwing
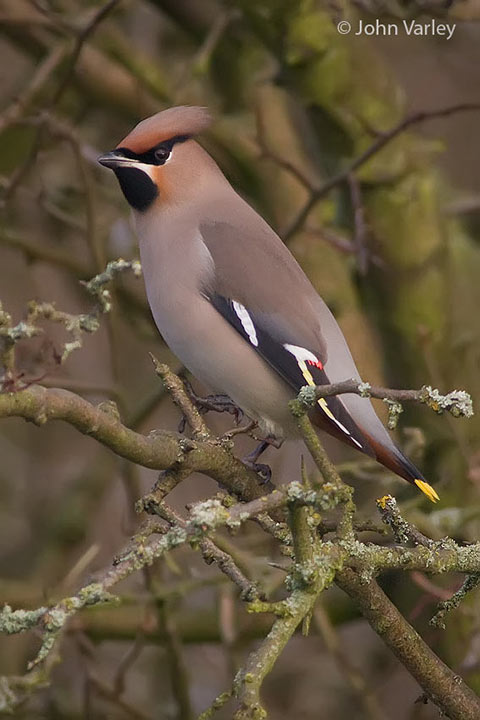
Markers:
<point>227,295</point>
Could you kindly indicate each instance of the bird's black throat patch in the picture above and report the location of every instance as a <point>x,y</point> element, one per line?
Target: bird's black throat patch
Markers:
<point>139,190</point>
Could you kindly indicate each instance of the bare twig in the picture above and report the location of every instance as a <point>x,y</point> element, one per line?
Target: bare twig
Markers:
<point>159,450</point>
<point>46,254</point>
<point>442,686</point>
<point>403,531</point>
<point>81,38</point>
<point>211,553</point>
<point>41,76</point>
<point>118,684</point>
<point>360,229</point>
<point>356,679</point>
<point>277,158</point>
<point>177,391</point>
<point>111,695</point>
<point>317,563</point>
<point>176,664</point>
<point>75,325</point>
<point>65,132</point>
<point>382,140</point>
<point>248,681</point>
<point>445,606</point>
<point>457,402</point>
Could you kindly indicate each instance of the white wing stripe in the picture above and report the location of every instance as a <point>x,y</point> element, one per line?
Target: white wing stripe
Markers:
<point>300,353</point>
<point>323,404</point>
<point>246,320</point>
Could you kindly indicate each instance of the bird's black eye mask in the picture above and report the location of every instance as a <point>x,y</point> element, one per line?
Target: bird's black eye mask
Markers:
<point>138,188</point>
<point>158,155</point>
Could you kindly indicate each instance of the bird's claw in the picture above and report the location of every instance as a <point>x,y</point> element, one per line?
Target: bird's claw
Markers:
<point>212,403</point>
<point>219,403</point>
<point>263,471</point>
<point>215,403</point>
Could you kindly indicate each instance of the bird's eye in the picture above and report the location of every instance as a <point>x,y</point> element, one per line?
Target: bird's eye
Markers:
<point>162,154</point>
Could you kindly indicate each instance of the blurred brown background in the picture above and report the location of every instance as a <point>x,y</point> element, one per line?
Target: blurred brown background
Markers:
<point>287,89</point>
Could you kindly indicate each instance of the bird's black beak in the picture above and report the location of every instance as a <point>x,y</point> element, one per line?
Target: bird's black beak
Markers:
<point>110,159</point>
<point>115,159</point>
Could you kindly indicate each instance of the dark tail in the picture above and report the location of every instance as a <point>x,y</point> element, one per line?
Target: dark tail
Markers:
<point>396,461</point>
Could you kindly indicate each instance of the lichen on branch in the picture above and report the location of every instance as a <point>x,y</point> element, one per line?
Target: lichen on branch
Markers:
<point>316,561</point>
<point>457,402</point>
<point>75,325</point>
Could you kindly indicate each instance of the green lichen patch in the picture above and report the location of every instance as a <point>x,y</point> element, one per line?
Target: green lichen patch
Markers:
<point>458,402</point>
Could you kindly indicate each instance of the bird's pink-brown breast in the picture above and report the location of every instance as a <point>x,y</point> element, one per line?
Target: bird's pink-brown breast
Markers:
<point>165,125</point>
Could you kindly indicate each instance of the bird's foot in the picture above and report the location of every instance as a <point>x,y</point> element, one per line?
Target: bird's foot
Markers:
<point>241,430</point>
<point>220,403</point>
<point>211,403</point>
<point>252,457</point>
<point>263,471</point>
<point>214,403</point>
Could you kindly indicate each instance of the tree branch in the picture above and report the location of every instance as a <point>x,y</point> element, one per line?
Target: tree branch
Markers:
<point>457,402</point>
<point>317,563</point>
<point>158,451</point>
<point>442,686</point>
<point>383,139</point>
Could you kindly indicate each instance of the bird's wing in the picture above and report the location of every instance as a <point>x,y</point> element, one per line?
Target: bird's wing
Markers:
<point>260,289</point>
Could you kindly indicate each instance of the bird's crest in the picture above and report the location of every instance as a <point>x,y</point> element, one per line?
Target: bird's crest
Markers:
<point>183,120</point>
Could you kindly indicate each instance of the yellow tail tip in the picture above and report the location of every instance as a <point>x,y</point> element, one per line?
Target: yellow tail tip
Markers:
<point>429,491</point>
